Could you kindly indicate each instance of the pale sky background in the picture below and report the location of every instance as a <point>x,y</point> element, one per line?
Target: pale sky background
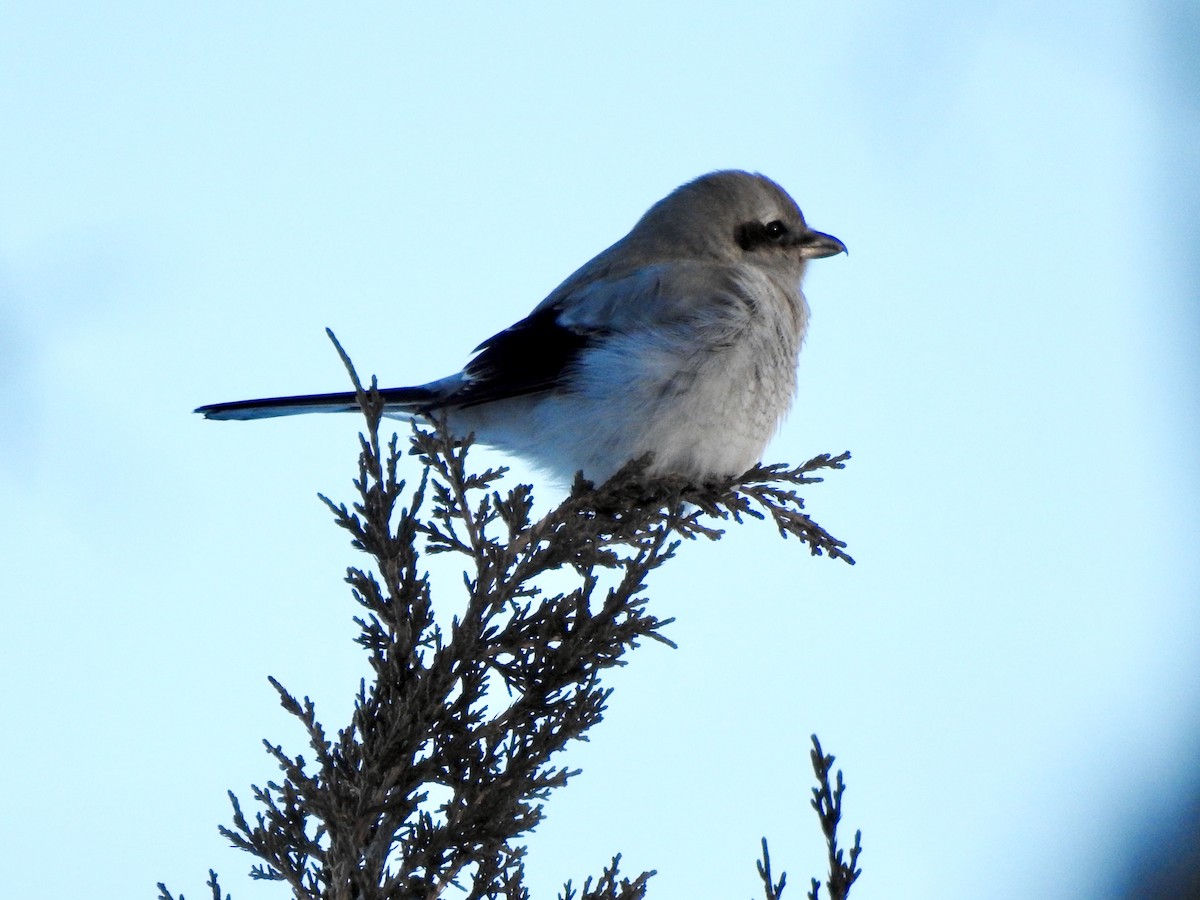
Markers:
<point>190,193</point>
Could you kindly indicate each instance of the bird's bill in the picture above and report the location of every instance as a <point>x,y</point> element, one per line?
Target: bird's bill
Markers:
<point>818,245</point>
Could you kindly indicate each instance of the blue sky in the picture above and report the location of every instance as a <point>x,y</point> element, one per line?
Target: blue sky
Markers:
<point>190,194</point>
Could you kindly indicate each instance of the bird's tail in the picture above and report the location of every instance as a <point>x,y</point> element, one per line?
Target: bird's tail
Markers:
<point>399,401</point>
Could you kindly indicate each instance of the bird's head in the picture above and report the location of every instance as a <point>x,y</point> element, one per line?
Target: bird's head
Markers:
<point>732,216</point>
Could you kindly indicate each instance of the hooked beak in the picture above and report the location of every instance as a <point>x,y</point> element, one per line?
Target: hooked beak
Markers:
<point>818,245</point>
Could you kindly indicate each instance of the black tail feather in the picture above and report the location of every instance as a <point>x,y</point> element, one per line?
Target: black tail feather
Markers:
<point>404,398</point>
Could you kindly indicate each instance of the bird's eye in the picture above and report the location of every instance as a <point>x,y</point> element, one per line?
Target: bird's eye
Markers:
<point>754,235</point>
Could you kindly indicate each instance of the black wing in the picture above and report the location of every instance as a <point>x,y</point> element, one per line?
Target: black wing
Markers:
<point>534,355</point>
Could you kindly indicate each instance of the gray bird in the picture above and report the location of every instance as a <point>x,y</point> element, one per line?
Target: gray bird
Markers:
<point>681,340</point>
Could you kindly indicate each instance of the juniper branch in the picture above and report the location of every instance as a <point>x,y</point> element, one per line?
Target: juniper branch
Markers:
<point>454,742</point>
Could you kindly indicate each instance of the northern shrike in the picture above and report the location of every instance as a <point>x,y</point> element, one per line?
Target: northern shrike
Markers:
<point>680,340</point>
